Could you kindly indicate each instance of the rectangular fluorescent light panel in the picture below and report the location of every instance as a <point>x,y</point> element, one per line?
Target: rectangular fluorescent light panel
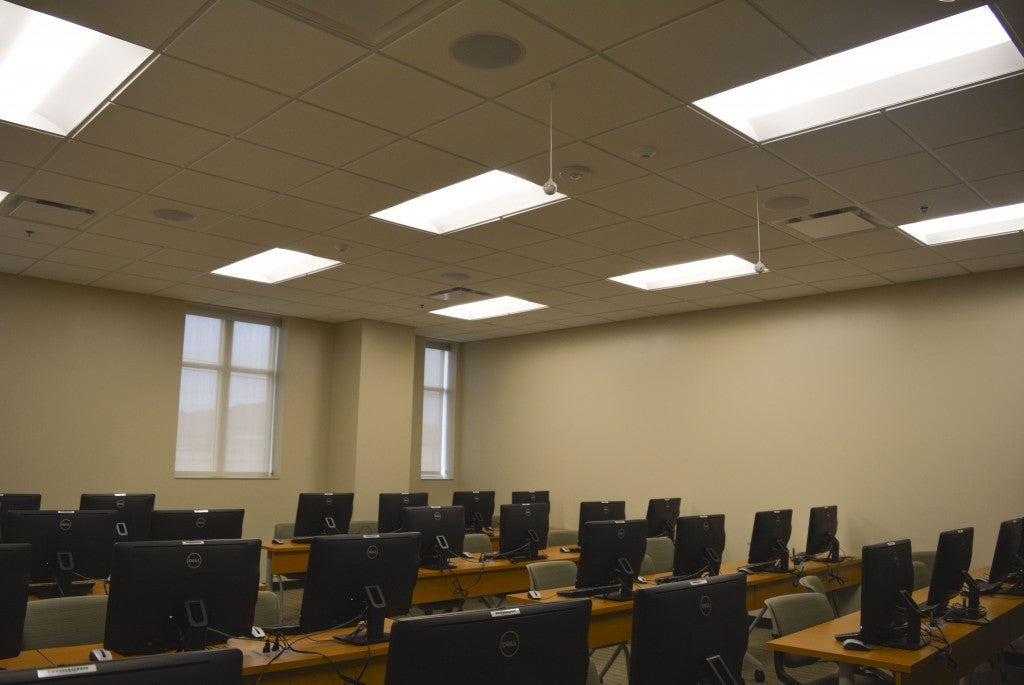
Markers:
<point>689,273</point>
<point>487,309</point>
<point>478,200</point>
<point>981,224</point>
<point>950,53</point>
<point>276,265</point>
<point>53,73</point>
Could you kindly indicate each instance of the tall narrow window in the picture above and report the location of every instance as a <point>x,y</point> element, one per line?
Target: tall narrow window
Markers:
<point>437,453</point>
<point>226,405</point>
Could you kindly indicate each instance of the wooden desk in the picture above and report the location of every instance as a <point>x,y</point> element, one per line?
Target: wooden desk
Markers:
<point>612,622</point>
<point>27,659</point>
<point>469,578</point>
<point>971,645</point>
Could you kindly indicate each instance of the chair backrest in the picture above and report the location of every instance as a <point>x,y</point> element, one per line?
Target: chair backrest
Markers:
<point>546,575</point>
<point>922,575</point>
<point>477,543</point>
<point>662,552</point>
<point>557,538</point>
<point>847,600</point>
<point>791,613</point>
<point>365,527</point>
<point>813,583</point>
<point>64,622</point>
<point>267,609</point>
<point>284,531</point>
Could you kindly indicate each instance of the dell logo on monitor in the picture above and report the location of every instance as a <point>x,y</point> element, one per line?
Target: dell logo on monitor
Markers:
<point>372,552</point>
<point>405,500</point>
<point>201,522</point>
<point>119,504</point>
<point>527,512</point>
<point>509,643</point>
<point>194,560</point>
<point>437,516</point>
<point>328,501</point>
<point>705,605</point>
<point>622,533</point>
<point>604,509</point>
<point>65,524</point>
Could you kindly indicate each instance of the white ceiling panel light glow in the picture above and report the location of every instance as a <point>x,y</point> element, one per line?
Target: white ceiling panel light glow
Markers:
<point>276,265</point>
<point>478,200</point>
<point>688,273</point>
<point>950,53</point>
<point>53,73</point>
<point>970,226</point>
<point>487,309</point>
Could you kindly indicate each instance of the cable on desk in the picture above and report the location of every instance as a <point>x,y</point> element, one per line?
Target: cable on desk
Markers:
<point>288,646</point>
<point>945,648</point>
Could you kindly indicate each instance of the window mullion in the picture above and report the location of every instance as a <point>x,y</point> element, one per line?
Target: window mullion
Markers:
<point>220,458</point>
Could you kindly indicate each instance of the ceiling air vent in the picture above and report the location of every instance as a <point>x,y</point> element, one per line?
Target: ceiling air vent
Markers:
<point>49,212</point>
<point>459,295</point>
<point>832,223</point>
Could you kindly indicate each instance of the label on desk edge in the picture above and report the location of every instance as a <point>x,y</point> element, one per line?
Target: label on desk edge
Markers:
<point>499,613</point>
<point>81,669</point>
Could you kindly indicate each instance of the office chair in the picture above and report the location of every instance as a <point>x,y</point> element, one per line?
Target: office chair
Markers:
<point>662,552</point>
<point>558,538</point>
<point>548,575</point>
<point>268,610</point>
<point>922,575</point>
<point>365,527</point>
<point>64,622</point>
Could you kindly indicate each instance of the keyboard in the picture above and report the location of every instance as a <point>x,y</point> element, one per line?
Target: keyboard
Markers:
<point>302,541</point>
<point>672,579</point>
<point>589,591</point>
<point>754,568</point>
<point>292,629</point>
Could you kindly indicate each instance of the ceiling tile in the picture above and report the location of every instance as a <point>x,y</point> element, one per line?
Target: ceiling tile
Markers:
<point>560,251</point>
<point>890,178</point>
<point>205,190</point>
<point>69,273</point>
<point>822,271</point>
<point>601,169</point>
<point>744,240</point>
<point>197,96</point>
<point>108,166</point>
<point>131,283</point>
<point>444,249</point>
<point>993,156</point>
<point>921,273</point>
<point>734,172</point>
<point>852,283</point>
<point>257,232</point>
<point>503,264</point>
<point>628,235</point>
<point>29,249</point>
<point>12,175</point>
<point>501,235</point>
<point>554,277</point>
<point>299,213</point>
<point>259,166</point>
<point>396,262</point>
<point>902,259</point>
<point>429,47</point>
<point>1002,190</point>
<point>411,101</point>
<point>117,247</point>
<point>292,55</point>
<point>566,218</point>
<point>380,234</point>
<point>701,219</point>
<point>352,192</point>
<point>143,209</point>
<point>147,135</point>
<point>415,166</point>
<point>795,255</point>
<point>643,197</point>
<point>25,146</point>
<point>867,243</point>
<point>937,202</point>
<point>95,260</point>
<point>676,252</point>
<point>77,192</point>
<point>143,24</point>
<point>986,247</point>
<point>46,234</point>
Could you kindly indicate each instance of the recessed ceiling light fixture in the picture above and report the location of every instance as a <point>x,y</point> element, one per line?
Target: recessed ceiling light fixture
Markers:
<point>53,73</point>
<point>487,309</point>
<point>275,266</point>
<point>479,200</point>
<point>688,273</point>
<point>984,223</point>
<point>950,53</point>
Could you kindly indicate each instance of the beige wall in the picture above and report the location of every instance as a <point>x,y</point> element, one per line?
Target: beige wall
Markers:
<point>902,405</point>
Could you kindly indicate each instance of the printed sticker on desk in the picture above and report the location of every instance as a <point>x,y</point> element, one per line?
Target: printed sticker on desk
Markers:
<point>499,613</point>
<point>43,673</point>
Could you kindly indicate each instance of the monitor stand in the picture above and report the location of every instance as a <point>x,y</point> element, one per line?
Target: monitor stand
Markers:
<point>624,574</point>
<point>374,633</point>
<point>198,621</point>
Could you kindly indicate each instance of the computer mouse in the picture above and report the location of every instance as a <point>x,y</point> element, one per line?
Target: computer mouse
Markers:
<point>100,654</point>
<point>855,645</point>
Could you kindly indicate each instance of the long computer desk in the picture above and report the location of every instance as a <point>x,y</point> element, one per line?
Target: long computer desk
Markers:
<point>611,622</point>
<point>970,645</point>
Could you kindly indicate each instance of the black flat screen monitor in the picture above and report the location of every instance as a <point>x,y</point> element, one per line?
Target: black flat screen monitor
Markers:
<point>692,631</point>
<point>1006,562</point>
<point>180,594</point>
<point>887,575</point>
<point>12,501</point>
<point>700,541</point>
<point>442,533</point>
<point>390,506</point>
<point>353,576</point>
<point>821,533</point>
<point>599,511</point>
<point>15,563</point>
<point>531,496</point>
<point>542,644</point>
<point>478,506</point>
<point>196,524</point>
<point>661,517</point>
<point>323,513</point>
<point>133,511</point>
<point>211,667</point>
<point>524,531</point>
<point>611,555</point>
<point>952,561</point>
<point>769,541</point>
<point>66,546</point>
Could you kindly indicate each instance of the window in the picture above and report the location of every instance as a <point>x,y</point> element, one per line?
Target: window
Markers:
<point>226,405</point>
<point>438,449</point>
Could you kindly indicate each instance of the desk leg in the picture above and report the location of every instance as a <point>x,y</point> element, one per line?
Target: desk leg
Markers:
<point>845,674</point>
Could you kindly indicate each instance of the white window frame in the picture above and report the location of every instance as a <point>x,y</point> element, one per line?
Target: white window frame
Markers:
<point>447,391</point>
<point>224,369</point>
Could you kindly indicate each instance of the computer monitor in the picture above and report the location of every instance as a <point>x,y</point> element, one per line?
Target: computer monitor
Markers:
<point>15,563</point>
<point>952,561</point>
<point>821,533</point>
<point>211,667</point>
<point>599,511</point>
<point>478,506</point>
<point>196,524</point>
<point>353,576</point>
<point>442,533</point>
<point>661,517</point>
<point>524,531</point>
<point>1006,560</point>
<point>11,501</point>
<point>769,541</point>
<point>700,541</point>
<point>171,595</point>
<point>323,513</point>
<point>66,546</point>
<point>530,496</point>
<point>888,614</point>
<point>611,555</point>
<point>133,512</point>
<point>692,631</point>
<point>390,506</point>
<point>541,644</point>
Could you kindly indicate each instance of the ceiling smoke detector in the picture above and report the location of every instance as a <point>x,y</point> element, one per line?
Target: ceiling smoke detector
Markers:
<point>574,174</point>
